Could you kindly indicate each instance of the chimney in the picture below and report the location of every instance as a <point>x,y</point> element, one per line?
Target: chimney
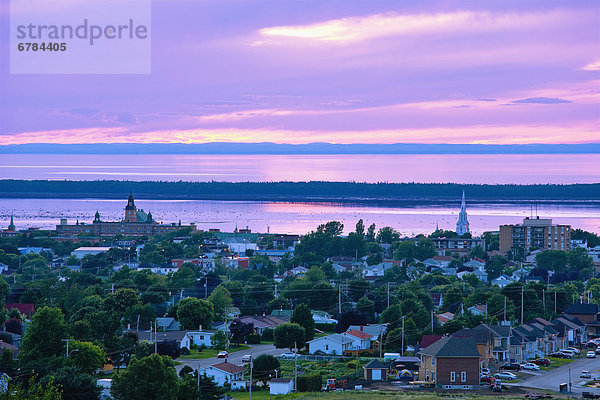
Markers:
<point>361,328</point>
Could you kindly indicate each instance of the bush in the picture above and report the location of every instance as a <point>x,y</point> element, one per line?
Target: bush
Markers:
<point>184,351</point>
<point>267,334</point>
<point>325,327</point>
<point>309,383</point>
<point>185,370</point>
<point>194,346</point>
<point>253,339</point>
<point>6,338</point>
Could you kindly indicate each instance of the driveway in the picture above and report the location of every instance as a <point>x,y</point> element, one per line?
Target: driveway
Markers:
<point>234,358</point>
<point>553,378</point>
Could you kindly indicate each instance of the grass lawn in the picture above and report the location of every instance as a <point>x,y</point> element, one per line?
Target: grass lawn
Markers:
<point>264,394</point>
<point>210,353</point>
<point>556,362</point>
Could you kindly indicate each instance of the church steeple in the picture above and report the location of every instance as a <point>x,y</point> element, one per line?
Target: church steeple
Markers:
<point>11,226</point>
<point>97,217</point>
<point>462,225</point>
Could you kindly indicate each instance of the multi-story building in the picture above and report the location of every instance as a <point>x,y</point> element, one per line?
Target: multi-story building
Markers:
<point>457,245</point>
<point>535,233</point>
<point>135,223</point>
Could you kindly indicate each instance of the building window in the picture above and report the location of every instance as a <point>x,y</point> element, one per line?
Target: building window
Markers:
<point>452,376</point>
<point>463,376</point>
<point>326,347</point>
<point>518,351</point>
<point>432,361</point>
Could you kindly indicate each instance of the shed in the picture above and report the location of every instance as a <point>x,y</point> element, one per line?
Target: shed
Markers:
<point>281,386</point>
<point>375,370</point>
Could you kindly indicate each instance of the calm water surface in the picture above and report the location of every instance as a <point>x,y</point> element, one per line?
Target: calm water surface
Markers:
<point>468,168</point>
<point>291,217</point>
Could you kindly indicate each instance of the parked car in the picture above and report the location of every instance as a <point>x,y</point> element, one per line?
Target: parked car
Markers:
<point>485,371</point>
<point>509,376</point>
<point>568,353</point>
<point>222,354</point>
<point>531,367</point>
<point>573,349</point>
<point>585,374</point>
<point>591,344</point>
<point>246,358</point>
<point>591,354</point>
<point>559,354</point>
<point>541,361</point>
<point>287,356</point>
<point>597,350</point>
<point>511,367</point>
<point>487,378</point>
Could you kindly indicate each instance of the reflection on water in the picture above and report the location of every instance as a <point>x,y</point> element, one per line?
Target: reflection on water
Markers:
<point>299,218</point>
<point>460,168</point>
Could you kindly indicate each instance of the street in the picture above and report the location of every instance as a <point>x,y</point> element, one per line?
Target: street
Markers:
<point>234,358</point>
<point>552,379</point>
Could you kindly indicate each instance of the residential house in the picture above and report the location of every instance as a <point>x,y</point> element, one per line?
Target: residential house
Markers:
<point>9,347</point>
<point>167,324</point>
<point>225,372</point>
<point>180,337</point>
<point>262,323</point>
<point>483,339</point>
<point>27,309</point>
<point>279,386</point>
<point>481,275</point>
<point>201,338</point>
<point>438,299</point>
<point>584,312</point>
<point>475,264</point>
<point>375,370</point>
<point>501,343</point>
<point>232,313</point>
<point>502,281</point>
<point>444,317</point>
<point>428,340</point>
<point>360,340</point>
<point>478,309</point>
<point>323,317</point>
<point>336,344</point>
<point>453,362</point>
<point>570,329</point>
<point>375,330</point>
<point>284,315</point>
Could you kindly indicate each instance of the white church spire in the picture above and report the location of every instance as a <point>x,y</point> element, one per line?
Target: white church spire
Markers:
<point>462,225</point>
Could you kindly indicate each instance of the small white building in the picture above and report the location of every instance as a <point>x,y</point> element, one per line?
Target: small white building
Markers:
<point>335,344</point>
<point>105,385</point>
<point>200,338</point>
<point>360,340</point>
<point>81,252</point>
<point>225,373</point>
<point>281,386</point>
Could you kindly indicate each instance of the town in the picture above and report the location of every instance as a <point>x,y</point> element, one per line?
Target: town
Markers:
<point>92,307</point>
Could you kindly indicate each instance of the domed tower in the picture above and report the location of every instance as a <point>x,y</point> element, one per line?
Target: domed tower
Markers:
<point>130,210</point>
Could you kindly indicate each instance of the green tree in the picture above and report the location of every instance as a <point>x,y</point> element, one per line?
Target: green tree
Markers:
<point>387,235</point>
<point>264,367</point>
<point>86,356</point>
<point>360,227</point>
<point>74,384</point>
<point>42,341</point>
<point>4,290</point>
<point>288,335</point>
<point>193,312</point>
<point>366,306</point>
<point>303,317</point>
<point>553,260</point>
<point>121,300</point>
<point>219,340</point>
<point>31,390</point>
<point>151,377</point>
<point>221,300</point>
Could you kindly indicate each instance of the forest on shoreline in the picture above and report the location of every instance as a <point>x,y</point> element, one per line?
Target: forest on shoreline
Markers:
<point>300,191</point>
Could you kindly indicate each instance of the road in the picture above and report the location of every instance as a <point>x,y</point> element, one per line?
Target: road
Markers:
<point>552,379</point>
<point>234,358</point>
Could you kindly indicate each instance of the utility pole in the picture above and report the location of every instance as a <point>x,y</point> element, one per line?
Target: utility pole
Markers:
<point>504,308</point>
<point>206,288</point>
<point>403,336</point>
<point>250,389</point>
<point>388,297</point>
<point>339,298</point>
<point>296,366</point>
<point>380,340</point>
<point>544,298</point>
<point>67,340</point>
<point>112,289</point>
<point>555,302</point>
<point>431,321</point>
<point>522,293</point>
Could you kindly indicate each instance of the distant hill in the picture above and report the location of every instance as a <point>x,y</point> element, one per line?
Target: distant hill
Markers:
<point>310,148</point>
<point>301,191</point>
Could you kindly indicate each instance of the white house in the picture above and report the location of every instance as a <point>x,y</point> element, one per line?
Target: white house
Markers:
<point>476,264</point>
<point>360,340</point>
<point>335,344</point>
<point>281,386</point>
<point>323,317</point>
<point>502,281</point>
<point>200,338</point>
<point>226,373</point>
<point>181,337</point>
<point>481,275</point>
<point>81,252</point>
<point>375,330</point>
<point>478,309</point>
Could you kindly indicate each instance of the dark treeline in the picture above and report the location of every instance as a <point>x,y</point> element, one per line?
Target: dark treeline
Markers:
<point>298,191</point>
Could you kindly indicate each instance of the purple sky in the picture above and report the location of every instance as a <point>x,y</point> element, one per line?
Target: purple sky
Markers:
<point>331,71</point>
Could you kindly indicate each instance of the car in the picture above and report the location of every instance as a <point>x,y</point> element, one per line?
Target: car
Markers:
<point>585,374</point>
<point>591,354</point>
<point>505,375</point>
<point>487,378</point>
<point>485,371</point>
<point>222,354</point>
<point>541,361</point>
<point>568,353</point>
<point>573,349</point>
<point>287,356</point>
<point>591,344</point>
<point>246,358</point>
<point>560,354</point>
<point>531,367</point>
<point>597,350</point>
<point>511,367</point>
